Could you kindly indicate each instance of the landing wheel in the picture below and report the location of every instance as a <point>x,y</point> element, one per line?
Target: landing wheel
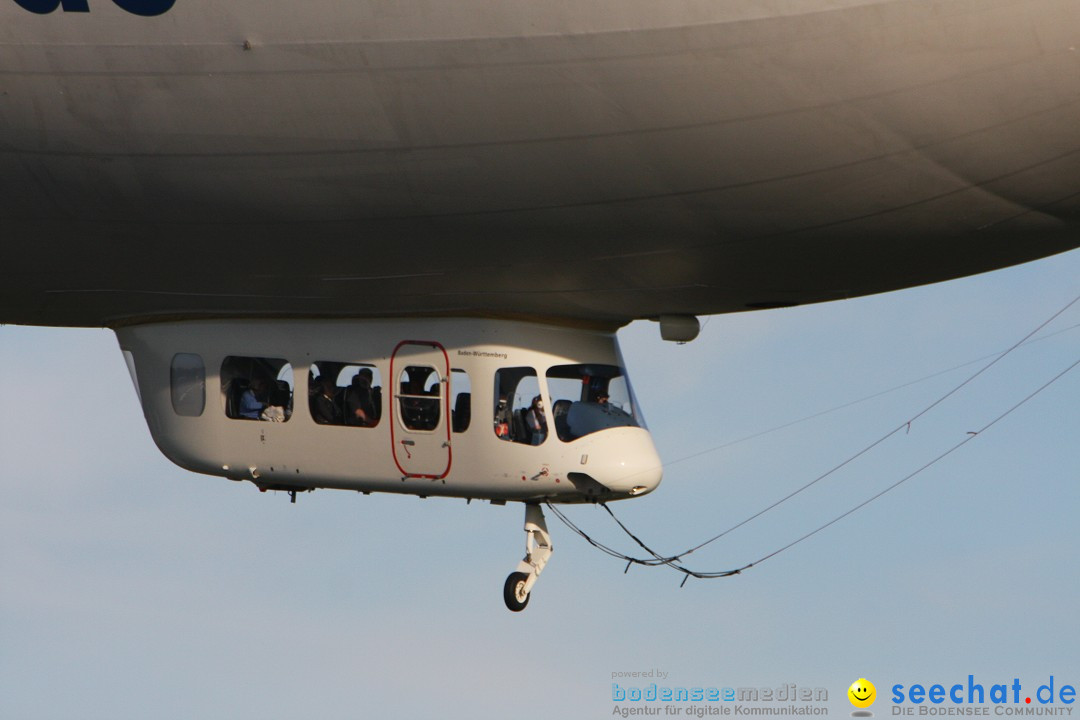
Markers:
<point>514,594</point>
<point>518,587</point>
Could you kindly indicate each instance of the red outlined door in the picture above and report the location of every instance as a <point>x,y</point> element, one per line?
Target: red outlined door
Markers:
<point>419,416</point>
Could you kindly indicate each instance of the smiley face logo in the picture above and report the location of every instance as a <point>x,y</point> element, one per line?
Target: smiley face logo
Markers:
<point>862,693</point>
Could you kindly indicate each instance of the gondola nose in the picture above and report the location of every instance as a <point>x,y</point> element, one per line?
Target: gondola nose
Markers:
<point>624,461</point>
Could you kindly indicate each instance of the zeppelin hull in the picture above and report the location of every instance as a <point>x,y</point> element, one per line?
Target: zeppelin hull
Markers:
<point>530,160</point>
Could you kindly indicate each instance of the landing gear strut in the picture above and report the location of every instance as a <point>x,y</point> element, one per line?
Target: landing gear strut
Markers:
<point>538,549</point>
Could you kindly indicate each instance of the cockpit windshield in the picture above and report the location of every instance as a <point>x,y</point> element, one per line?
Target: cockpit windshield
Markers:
<point>589,398</point>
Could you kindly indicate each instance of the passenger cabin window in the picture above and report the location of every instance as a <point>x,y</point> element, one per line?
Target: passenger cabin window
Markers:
<point>589,398</point>
<point>341,393</point>
<point>519,408</point>
<point>420,397</point>
<point>257,388</point>
<point>187,380</point>
<point>460,400</point>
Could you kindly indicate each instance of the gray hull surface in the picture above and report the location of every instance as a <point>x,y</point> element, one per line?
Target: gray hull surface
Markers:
<point>595,162</point>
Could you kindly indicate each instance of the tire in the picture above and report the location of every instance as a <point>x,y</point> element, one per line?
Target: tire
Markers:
<point>515,601</point>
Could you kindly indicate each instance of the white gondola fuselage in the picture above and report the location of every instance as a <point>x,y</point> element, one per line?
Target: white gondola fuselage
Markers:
<point>483,409</point>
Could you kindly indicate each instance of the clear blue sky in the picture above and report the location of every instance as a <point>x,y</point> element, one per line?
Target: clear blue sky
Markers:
<point>130,588</point>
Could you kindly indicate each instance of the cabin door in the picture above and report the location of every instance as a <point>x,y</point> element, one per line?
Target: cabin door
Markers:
<point>419,416</point>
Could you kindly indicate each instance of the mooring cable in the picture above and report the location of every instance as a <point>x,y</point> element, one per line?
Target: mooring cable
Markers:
<point>673,561</point>
<point>903,426</point>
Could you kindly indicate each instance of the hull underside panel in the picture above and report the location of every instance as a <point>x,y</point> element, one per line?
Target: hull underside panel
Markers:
<point>684,159</point>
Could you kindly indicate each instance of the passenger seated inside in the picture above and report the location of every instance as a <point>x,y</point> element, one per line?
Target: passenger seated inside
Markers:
<point>360,401</point>
<point>518,419</point>
<point>257,388</point>
<point>278,402</point>
<point>420,408</point>
<point>536,422</point>
<point>324,409</point>
<point>502,419</point>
